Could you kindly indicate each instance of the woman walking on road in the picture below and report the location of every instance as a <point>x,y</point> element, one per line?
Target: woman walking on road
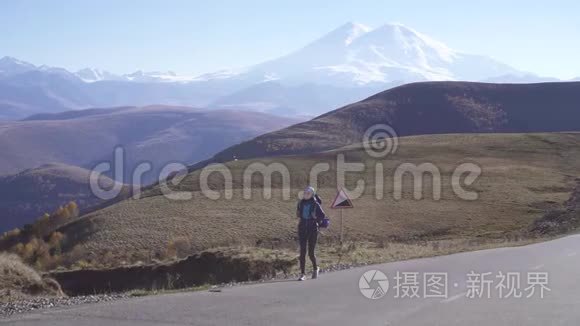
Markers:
<point>310,214</point>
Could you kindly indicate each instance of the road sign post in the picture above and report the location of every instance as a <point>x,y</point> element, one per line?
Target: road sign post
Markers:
<point>341,201</point>
<point>341,227</point>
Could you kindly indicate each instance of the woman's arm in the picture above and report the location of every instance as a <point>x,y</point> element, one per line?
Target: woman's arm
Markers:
<point>319,213</point>
<point>298,210</point>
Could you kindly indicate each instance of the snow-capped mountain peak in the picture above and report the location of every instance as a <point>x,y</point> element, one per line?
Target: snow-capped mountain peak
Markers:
<point>55,70</point>
<point>157,76</point>
<point>90,75</point>
<point>354,31</point>
<point>12,66</point>
<point>410,38</point>
<point>394,51</point>
<point>14,61</point>
<point>354,54</point>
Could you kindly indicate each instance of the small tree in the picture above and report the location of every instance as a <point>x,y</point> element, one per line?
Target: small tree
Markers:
<point>171,250</point>
<point>29,250</point>
<point>55,242</point>
<point>77,253</point>
<point>39,227</point>
<point>182,246</point>
<point>72,209</point>
<point>18,249</point>
<point>12,233</point>
<point>178,248</point>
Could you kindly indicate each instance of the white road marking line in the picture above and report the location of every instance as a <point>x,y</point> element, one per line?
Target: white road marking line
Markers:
<point>455,297</point>
<point>535,268</point>
<point>572,254</point>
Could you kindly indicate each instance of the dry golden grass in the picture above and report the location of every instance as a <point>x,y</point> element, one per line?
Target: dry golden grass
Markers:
<point>523,176</point>
<point>18,280</point>
<point>355,253</point>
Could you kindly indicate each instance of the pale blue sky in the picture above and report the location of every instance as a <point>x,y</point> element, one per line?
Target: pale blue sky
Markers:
<point>193,37</point>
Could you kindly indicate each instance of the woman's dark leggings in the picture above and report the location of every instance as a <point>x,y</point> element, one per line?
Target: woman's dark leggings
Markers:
<point>307,235</point>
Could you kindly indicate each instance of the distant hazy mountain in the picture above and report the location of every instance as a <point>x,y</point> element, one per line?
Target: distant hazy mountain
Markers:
<point>157,77</point>
<point>40,90</point>
<point>91,75</point>
<point>345,65</point>
<point>154,134</point>
<point>51,90</point>
<point>12,66</point>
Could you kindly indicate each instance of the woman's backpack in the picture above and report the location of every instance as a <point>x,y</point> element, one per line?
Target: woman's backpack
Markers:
<point>324,223</point>
<point>322,219</point>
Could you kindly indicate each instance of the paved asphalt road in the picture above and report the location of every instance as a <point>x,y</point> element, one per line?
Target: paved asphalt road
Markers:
<point>335,298</point>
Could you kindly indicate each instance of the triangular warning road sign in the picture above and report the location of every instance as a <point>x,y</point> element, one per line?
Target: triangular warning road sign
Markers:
<point>341,200</point>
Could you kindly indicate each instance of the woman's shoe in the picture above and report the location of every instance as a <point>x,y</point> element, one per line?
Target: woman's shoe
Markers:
<point>302,277</point>
<point>315,273</point>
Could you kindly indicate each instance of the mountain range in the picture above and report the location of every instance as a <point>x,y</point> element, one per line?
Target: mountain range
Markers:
<point>348,64</point>
<point>492,124</point>
<point>77,140</point>
<point>525,137</point>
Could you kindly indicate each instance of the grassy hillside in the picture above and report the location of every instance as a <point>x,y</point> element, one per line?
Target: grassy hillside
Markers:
<point>29,194</point>
<point>428,108</point>
<point>524,175</point>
